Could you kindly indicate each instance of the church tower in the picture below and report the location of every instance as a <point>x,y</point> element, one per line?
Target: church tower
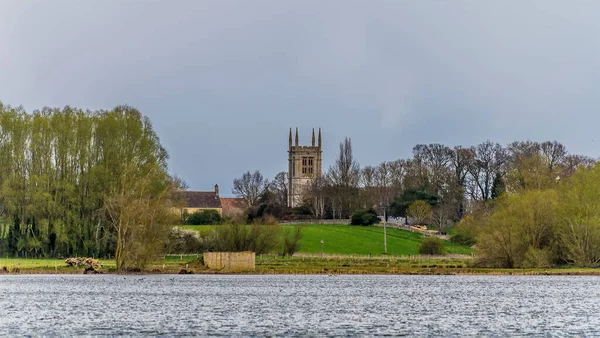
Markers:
<point>304,167</point>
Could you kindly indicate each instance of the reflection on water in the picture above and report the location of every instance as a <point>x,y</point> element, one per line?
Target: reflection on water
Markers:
<point>298,305</point>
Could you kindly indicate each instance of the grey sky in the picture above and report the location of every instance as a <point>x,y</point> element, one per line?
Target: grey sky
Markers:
<point>223,81</point>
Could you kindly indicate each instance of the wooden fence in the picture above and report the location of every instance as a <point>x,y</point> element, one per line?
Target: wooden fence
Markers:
<point>230,261</point>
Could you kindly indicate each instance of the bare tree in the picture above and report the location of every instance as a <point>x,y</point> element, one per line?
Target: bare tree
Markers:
<point>572,162</point>
<point>279,188</point>
<point>367,177</point>
<point>250,187</point>
<point>441,214</point>
<point>436,160</point>
<point>344,176</point>
<point>462,160</point>
<point>316,196</point>
<point>385,193</point>
<point>346,171</point>
<point>397,174</point>
<point>367,182</point>
<point>490,160</point>
<point>553,152</point>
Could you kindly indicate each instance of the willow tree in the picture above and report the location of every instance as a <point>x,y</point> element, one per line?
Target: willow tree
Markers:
<point>580,217</point>
<point>61,170</point>
<point>137,198</point>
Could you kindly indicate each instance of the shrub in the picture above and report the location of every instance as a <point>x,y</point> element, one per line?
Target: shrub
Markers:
<point>432,246</point>
<point>464,239</point>
<point>237,237</point>
<point>266,220</point>
<point>291,240</point>
<point>536,258</point>
<point>184,241</point>
<point>204,217</point>
<point>420,212</point>
<point>466,232</point>
<point>364,217</point>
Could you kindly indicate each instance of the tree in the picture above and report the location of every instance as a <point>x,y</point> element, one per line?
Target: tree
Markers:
<point>346,171</point>
<point>364,217</point>
<point>436,160</point>
<point>521,231</point>
<point>279,188</point>
<point>59,169</point>
<point>498,186</point>
<point>580,217</point>
<point>344,177</point>
<point>385,193</point>
<point>138,205</point>
<point>368,182</point>
<point>250,187</point>
<point>142,218</point>
<point>401,204</point>
<point>490,160</point>
<point>204,217</point>
<point>441,215</point>
<point>419,211</point>
<point>318,192</point>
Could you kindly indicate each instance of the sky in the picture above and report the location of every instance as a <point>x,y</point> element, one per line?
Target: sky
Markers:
<point>223,81</point>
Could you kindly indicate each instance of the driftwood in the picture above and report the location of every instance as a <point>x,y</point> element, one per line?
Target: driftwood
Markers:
<point>90,265</point>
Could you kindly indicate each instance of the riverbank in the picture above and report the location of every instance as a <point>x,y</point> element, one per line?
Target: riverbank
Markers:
<point>301,264</point>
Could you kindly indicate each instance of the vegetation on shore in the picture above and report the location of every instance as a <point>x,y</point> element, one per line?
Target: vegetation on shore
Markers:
<point>303,264</point>
<point>75,182</point>
<point>96,184</point>
<point>547,225</point>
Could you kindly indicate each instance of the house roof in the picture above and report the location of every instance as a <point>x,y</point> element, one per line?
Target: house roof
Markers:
<point>232,203</point>
<point>200,199</point>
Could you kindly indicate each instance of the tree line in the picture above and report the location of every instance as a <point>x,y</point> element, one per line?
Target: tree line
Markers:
<point>454,181</point>
<point>526,204</point>
<point>540,227</point>
<point>83,183</point>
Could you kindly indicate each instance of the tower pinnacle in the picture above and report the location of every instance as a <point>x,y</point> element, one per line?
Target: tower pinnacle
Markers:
<point>297,136</point>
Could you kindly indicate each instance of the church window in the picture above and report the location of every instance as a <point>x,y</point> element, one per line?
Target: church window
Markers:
<point>307,165</point>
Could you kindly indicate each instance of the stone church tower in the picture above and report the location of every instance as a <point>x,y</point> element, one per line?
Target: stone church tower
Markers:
<point>304,167</point>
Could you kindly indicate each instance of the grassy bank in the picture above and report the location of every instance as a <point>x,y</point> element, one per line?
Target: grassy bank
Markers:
<point>170,264</point>
<point>305,264</point>
<point>357,240</point>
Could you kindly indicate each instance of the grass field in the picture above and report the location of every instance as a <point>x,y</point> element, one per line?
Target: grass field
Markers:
<point>357,240</point>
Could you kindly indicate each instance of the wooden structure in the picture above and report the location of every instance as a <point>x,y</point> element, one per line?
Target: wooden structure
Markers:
<point>230,261</point>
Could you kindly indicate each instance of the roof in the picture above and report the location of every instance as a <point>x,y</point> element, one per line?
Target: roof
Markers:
<point>200,199</point>
<point>232,203</point>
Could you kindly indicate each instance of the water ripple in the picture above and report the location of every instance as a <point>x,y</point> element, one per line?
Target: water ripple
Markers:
<point>299,305</point>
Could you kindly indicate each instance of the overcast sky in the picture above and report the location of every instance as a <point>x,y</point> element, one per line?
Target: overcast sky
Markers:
<point>223,81</point>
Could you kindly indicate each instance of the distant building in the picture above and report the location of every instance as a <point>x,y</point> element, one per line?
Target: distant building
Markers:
<point>232,206</point>
<point>304,166</point>
<point>192,201</point>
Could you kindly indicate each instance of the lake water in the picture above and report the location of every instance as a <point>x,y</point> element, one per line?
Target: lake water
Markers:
<point>298,305</point>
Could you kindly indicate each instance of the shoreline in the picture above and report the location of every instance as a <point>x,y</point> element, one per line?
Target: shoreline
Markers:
<point>299,265</point>
<point>438,272</point>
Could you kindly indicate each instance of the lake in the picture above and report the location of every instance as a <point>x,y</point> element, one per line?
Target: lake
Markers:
<point>297,305</point>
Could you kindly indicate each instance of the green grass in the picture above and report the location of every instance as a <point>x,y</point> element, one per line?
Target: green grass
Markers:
<point>365,240</point>
<point>356,240</point>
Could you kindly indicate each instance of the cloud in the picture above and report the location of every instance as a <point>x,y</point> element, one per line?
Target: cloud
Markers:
<point>223,80</point>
